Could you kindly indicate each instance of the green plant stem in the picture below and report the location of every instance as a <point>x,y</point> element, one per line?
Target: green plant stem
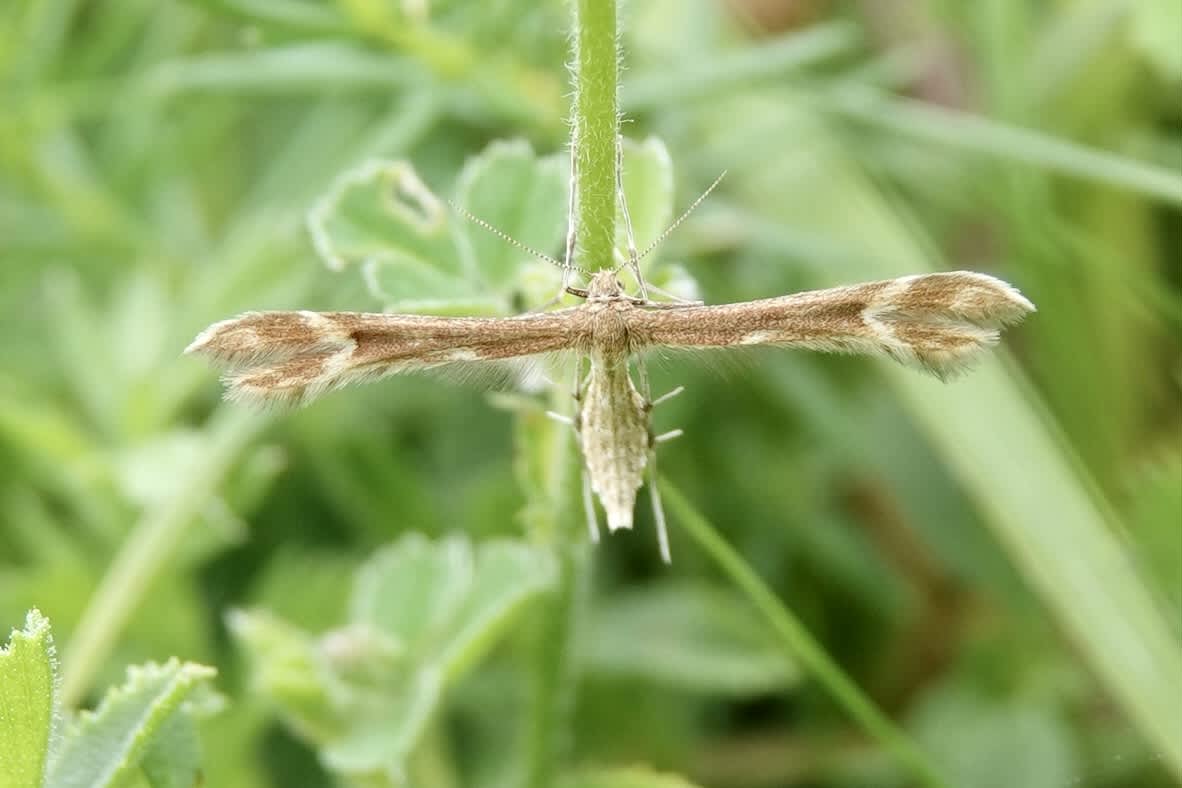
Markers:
<point>800,644</point>
<point>553,680</point>
<point>552,696</point>
<point>149,547</point>
<point>594,127</point>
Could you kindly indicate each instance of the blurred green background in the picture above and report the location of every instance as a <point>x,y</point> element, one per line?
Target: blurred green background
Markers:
<point>997,561</point>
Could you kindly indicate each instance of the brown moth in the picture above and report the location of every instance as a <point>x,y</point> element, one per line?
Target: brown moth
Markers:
<point>937,323</point>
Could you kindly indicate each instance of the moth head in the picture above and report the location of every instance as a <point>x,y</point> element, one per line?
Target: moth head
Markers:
<point>604,286</point>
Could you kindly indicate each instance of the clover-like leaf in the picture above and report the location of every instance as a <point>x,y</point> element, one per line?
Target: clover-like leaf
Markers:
<point>446,603</point>
<point>412,589</point>
<point>107,746</point>
<point>624,778</point>
<point>508,575</point>
<point>383,733</point>
<point>287,670</point>
<point>28,703</point>
<point>522,195</point>
<point>418,255</point>
<point>382,212</point>
<point>648,186</point>
<point>174,759</point>
<point>406,286</point>
<point>689,635</point>
<point>421,613</point>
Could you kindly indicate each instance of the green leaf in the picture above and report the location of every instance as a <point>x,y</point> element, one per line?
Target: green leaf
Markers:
<point>648,187</point>
<point>287,670</point>
<point>422,614</point>
<point>411,286</point>
<point>419,256</point>
<point>445,602</point>
<point>386,728</point>
<point>174,759</point>
<point>106,746</point>
<point>961,131</point>
<point>733,71</point>
<point>289,14</point>
<point>382,213</point>
<point>625,778</point>
<point>307,588</point>
<point>797,640</point>
<point>985,744</point>
<point>411,589</point>
<point>28,703</point>
<point>153,470</point>
<point>1028,488</point>
<point>150,544</point>
<point>507,576</point>
<point>1156,509</point>
<point>520,194</point>
<point>1156,30</point>
<point>302,67</point>
<point>689,635</point>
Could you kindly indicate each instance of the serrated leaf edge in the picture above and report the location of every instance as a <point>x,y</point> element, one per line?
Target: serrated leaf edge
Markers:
<point>393,171</point>
<point>37,626</point>
<point>170,696</point>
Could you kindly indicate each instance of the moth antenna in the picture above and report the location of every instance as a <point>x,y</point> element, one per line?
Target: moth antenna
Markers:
<point>504,236</point>
<point>633,260</point>
<point>683,217</point>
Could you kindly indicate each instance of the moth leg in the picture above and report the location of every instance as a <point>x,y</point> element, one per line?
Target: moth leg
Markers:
<point>589,509</point>
<point>666,396</point>
<point>649,404</point>
<point>633,257</point>
<point>577,394</point>
<point>654,495</point>
<point>644,389</point>
<point>588,502</point>
<point>577,387</point>
<point>674,300</point>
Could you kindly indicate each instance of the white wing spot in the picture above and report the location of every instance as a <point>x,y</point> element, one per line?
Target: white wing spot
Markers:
<point>760,337</point>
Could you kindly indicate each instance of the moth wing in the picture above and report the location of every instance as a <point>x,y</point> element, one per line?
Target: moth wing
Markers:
<point>938,322</point>
<point>289,358</point>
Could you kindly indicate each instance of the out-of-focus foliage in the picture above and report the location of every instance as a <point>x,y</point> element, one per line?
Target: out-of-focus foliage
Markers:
<point>996,562</point>
<point>420,616</point>
<point>142,729</point>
